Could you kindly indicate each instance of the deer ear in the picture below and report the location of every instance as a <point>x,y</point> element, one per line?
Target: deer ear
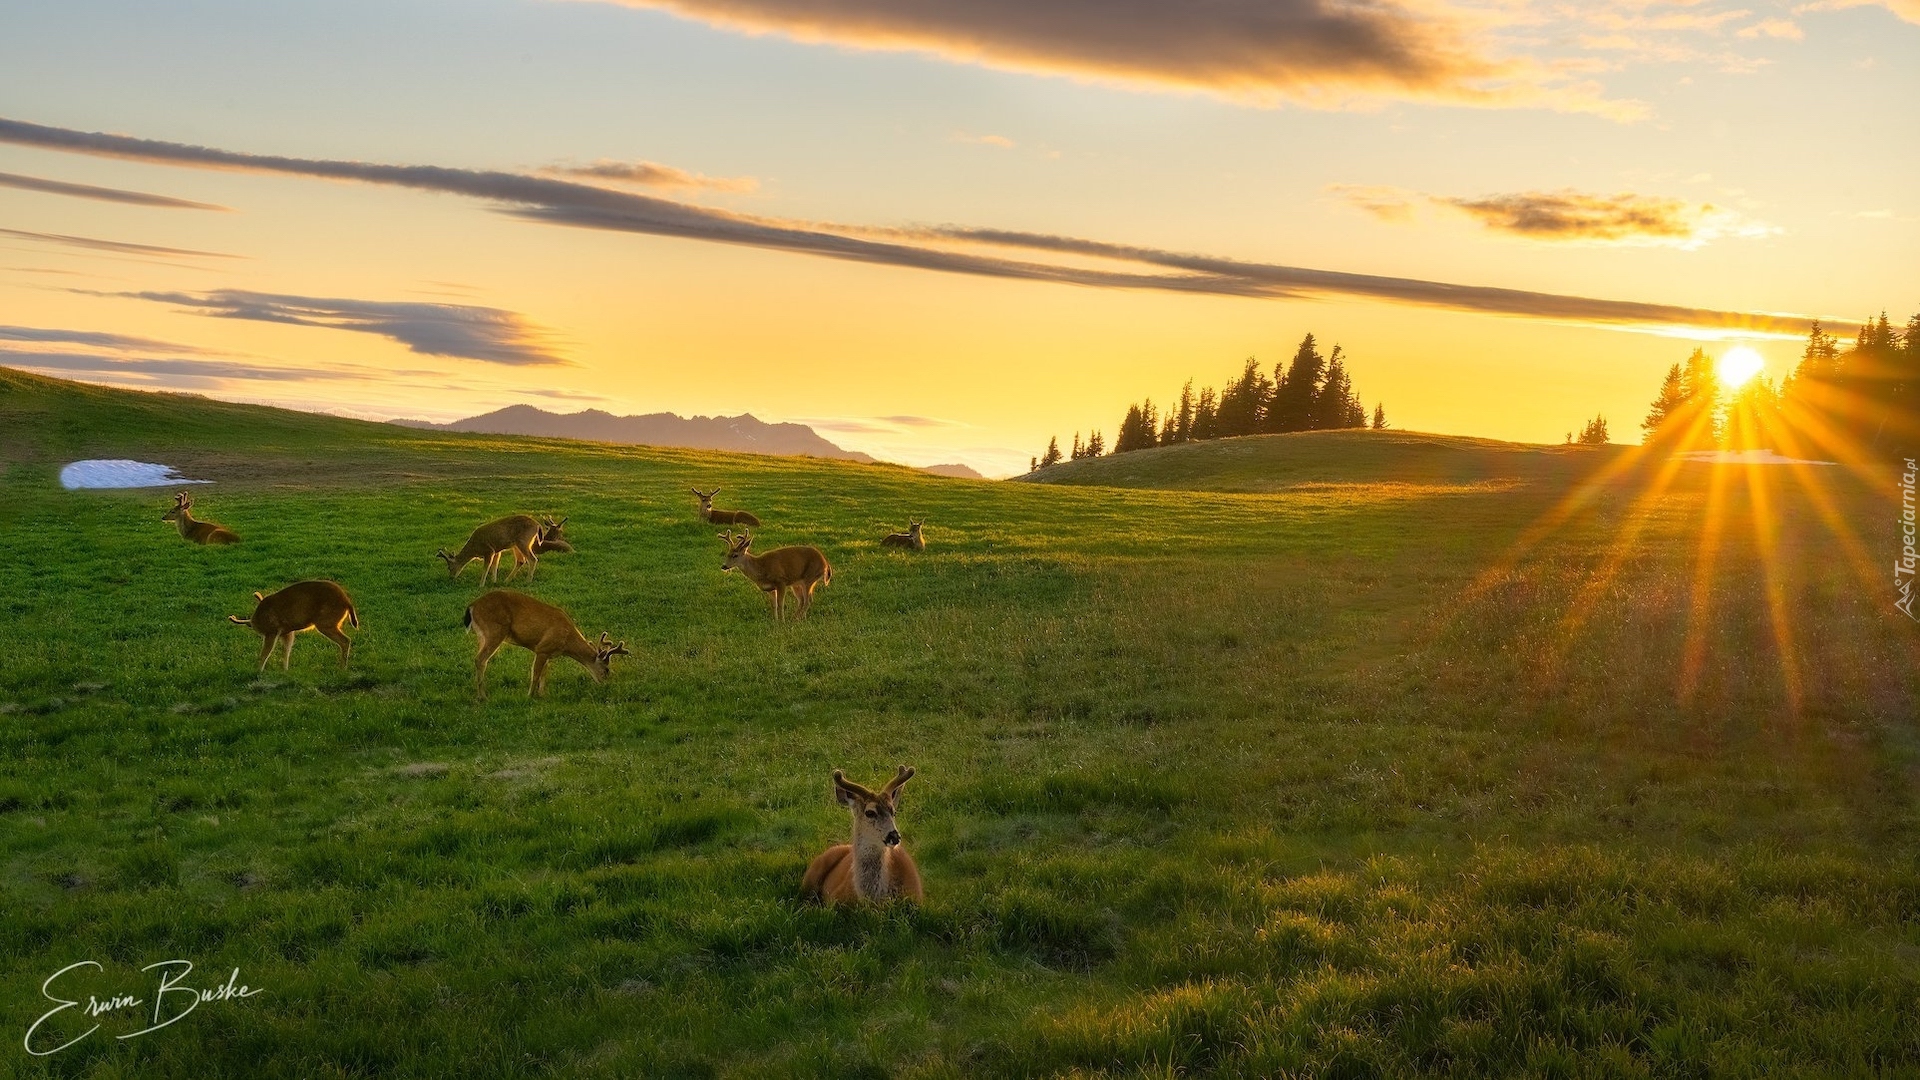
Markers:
<point>840,793</point>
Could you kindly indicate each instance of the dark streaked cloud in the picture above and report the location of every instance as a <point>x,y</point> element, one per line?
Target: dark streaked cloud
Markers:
<point>146,366</point>
<point>102,194</point>
<point>94,339</point>
<point>458,330</point>
<point>562,202</point>
<point>119,247</point>
<point>651,174</point>
<point>1322,52</point>
<point>1621,218</point>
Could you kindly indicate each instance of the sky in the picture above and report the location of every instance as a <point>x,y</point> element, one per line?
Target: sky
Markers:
<point>947,230</point>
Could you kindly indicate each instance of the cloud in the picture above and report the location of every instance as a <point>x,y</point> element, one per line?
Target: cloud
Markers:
<point>88,191</point>
<point>90,338</point>
<point>1906,9</point>
<point>1386,203</point>
<point>458,330</point>
<point>562,202</point>
<point>116,246</point>
<point>150,366</point>
<point>1315,52</point>
<point>1000,141</point>
<point>649,174</point>
<point>1625,218</point>
<point>877,425</point>
<point>1773,28</point>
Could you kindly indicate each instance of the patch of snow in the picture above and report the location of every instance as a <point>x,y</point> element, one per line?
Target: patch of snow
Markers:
<point>1747,457</point>
<point>120,473</point>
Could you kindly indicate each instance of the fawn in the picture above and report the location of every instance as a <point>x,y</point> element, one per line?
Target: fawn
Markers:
<point>519,533</point>
<point>200,532</point>
<point>722,517</point>
<point>796,568</point>
<point>912,538</point>
<point>874,866</point>
<point>304,605</point>
<point>504,617</point>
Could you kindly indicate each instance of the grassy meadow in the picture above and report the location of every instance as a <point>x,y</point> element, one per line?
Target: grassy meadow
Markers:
<point>1338,755</point>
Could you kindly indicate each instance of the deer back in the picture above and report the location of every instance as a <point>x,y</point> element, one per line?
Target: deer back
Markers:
<point>517,530</point>
<point>526,622</point>
<point>789,565</point>
<point>301,605</point>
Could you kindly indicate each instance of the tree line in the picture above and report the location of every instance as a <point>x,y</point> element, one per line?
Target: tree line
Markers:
<point>1311,392</point>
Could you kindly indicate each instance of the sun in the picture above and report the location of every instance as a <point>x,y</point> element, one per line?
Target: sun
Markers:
<point>1737,365</point>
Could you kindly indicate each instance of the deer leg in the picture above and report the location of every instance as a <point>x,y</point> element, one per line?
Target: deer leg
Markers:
<point>286,662</point>
<point>339,638</point>
<point>480,659</point>
<point>803,592</point>
<point>539,686</point>
<point>492,568</point>
<point>779,603</point>
<point>266,649</point>
<point>533,563</point>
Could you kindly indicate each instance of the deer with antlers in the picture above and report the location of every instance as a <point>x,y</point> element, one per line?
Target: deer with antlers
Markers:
<point>874,866</point>
<point>200,532</point>
<point>722,517</point>
<point>797,568</point>
<point>912,539</point>
<point>304,605</point>
<point>520,534</point>
<point>503,617</point>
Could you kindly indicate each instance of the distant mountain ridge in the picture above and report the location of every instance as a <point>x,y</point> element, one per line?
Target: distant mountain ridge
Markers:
<point>745,433</point>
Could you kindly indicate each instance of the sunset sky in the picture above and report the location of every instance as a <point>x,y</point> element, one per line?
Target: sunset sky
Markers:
<point>943,230</point>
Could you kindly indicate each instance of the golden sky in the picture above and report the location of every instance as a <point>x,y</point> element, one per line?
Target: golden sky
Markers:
<point>945,231</point>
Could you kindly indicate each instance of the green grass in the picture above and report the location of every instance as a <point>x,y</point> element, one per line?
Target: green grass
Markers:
<point>1323,781</point>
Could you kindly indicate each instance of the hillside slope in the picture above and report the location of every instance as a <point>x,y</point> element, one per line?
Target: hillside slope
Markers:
<point>743,434</point>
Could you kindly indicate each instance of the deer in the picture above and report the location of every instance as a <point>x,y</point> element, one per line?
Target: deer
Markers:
<point>504,617</point>
<point>200,532</point>
<point>722,517</point>
<point>912,538</point>
<point>874,866</point>
<point>304,605</point>
<point>796,568</point>
<point>518,533</point>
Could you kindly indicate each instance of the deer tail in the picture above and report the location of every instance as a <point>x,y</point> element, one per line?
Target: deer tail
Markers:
<point>238,621</point>
<point>467,619</point>
<point>353,617</point>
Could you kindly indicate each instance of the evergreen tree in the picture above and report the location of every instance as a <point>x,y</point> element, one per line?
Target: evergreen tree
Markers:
<point>1671,403</point>
<point>1594,434</point>
<point>1077,452</point>
<point>1052,456</point>
<point>1206,416</point>
<point>1243,402</point>
<point>1033,464</point>
<point>1095,444</point>
<point>1138,429</point>
<point>1180,419</point>
<point>1701,385</point>
<point>1296,393</point>
<point>1336,405</point>
<point>1380,417</point>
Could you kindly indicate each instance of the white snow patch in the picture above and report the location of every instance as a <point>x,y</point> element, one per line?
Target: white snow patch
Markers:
<point>1747,457</point>
<point>120,473</point>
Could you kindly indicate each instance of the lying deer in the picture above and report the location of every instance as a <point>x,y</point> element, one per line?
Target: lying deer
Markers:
<point>304,605</point>
<point>796,568</point>
<point>520,534</point>
<point>722,517</point>
<point>503,617</point>
<point>200,532</point>
<point>874,866</point>
<point>912,538</point>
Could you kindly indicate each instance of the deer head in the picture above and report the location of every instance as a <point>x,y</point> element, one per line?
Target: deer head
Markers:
<point>736,548</point>
<point>705,497</point>
<point>872,810</point>
<point>603,654</point>
<point>182,503</point>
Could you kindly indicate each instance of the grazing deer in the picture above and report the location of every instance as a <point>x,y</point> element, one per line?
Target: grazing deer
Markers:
<point>796,568</point>
<point>200,532</point>
<point>503,617</point>
<point>722,517</point>
<point>520,534</point>
<point>912,538</point>
<point>304,605</point>
<point>874,866</point>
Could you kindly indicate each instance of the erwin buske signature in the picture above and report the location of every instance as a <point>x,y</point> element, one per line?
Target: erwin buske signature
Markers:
<point>171,1000</point>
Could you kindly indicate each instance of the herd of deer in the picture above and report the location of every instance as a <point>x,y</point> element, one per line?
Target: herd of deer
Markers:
<point>872,867</point>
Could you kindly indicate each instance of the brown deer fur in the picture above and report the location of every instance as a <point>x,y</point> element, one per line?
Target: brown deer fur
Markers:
<point>796,568</point>
<point>304,605</point>
<point>912,538</point>
<point>874,866</point>
<point>722,517</point>
<point>503,617</point>
<point>200,532</point>
<point>520,534</point>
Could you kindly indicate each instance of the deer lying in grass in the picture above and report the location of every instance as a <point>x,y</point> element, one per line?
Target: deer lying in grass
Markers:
<point>874,866</point>
<point>200,532</point>
<point>796,568</point>
<point>503,617</point>
<point>722,517</point>
<point>304,605</point>
<point>912,538</point>
<point>520,534</point>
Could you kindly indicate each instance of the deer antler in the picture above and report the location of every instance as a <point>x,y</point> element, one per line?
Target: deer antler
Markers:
<point>840,780</point>
<point>904,774</point>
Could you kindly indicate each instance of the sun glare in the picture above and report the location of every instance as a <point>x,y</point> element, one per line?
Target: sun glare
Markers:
<point>1739,364</point>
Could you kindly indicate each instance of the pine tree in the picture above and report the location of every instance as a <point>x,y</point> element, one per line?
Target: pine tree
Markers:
<point>1137,429</point>
<point>1243,402</point>
<point>1077,452</point>
<point>1295,393</point>
<point>1180,419</point>
<point>1701,385</point>
<point>1380,417</point>
<point>1095,444</point>
<point>1671,402</point>
<point>1052,456</point>
<point>1206,416</point>
<point>1335,405</point>
<point>1033,464</point>
<point>1594,434</point>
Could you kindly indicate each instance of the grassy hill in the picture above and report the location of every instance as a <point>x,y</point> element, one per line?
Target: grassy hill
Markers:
<point>1379,776</point>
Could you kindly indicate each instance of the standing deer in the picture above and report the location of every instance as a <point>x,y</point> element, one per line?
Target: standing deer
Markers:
<point>722,517</point>
<point>503,617</point>
<point>796,568</point>
<point>200,532</point>
<point>304,605</point>
<point>520,534</point>
<point>874,866</point>
<point>912,538</point>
